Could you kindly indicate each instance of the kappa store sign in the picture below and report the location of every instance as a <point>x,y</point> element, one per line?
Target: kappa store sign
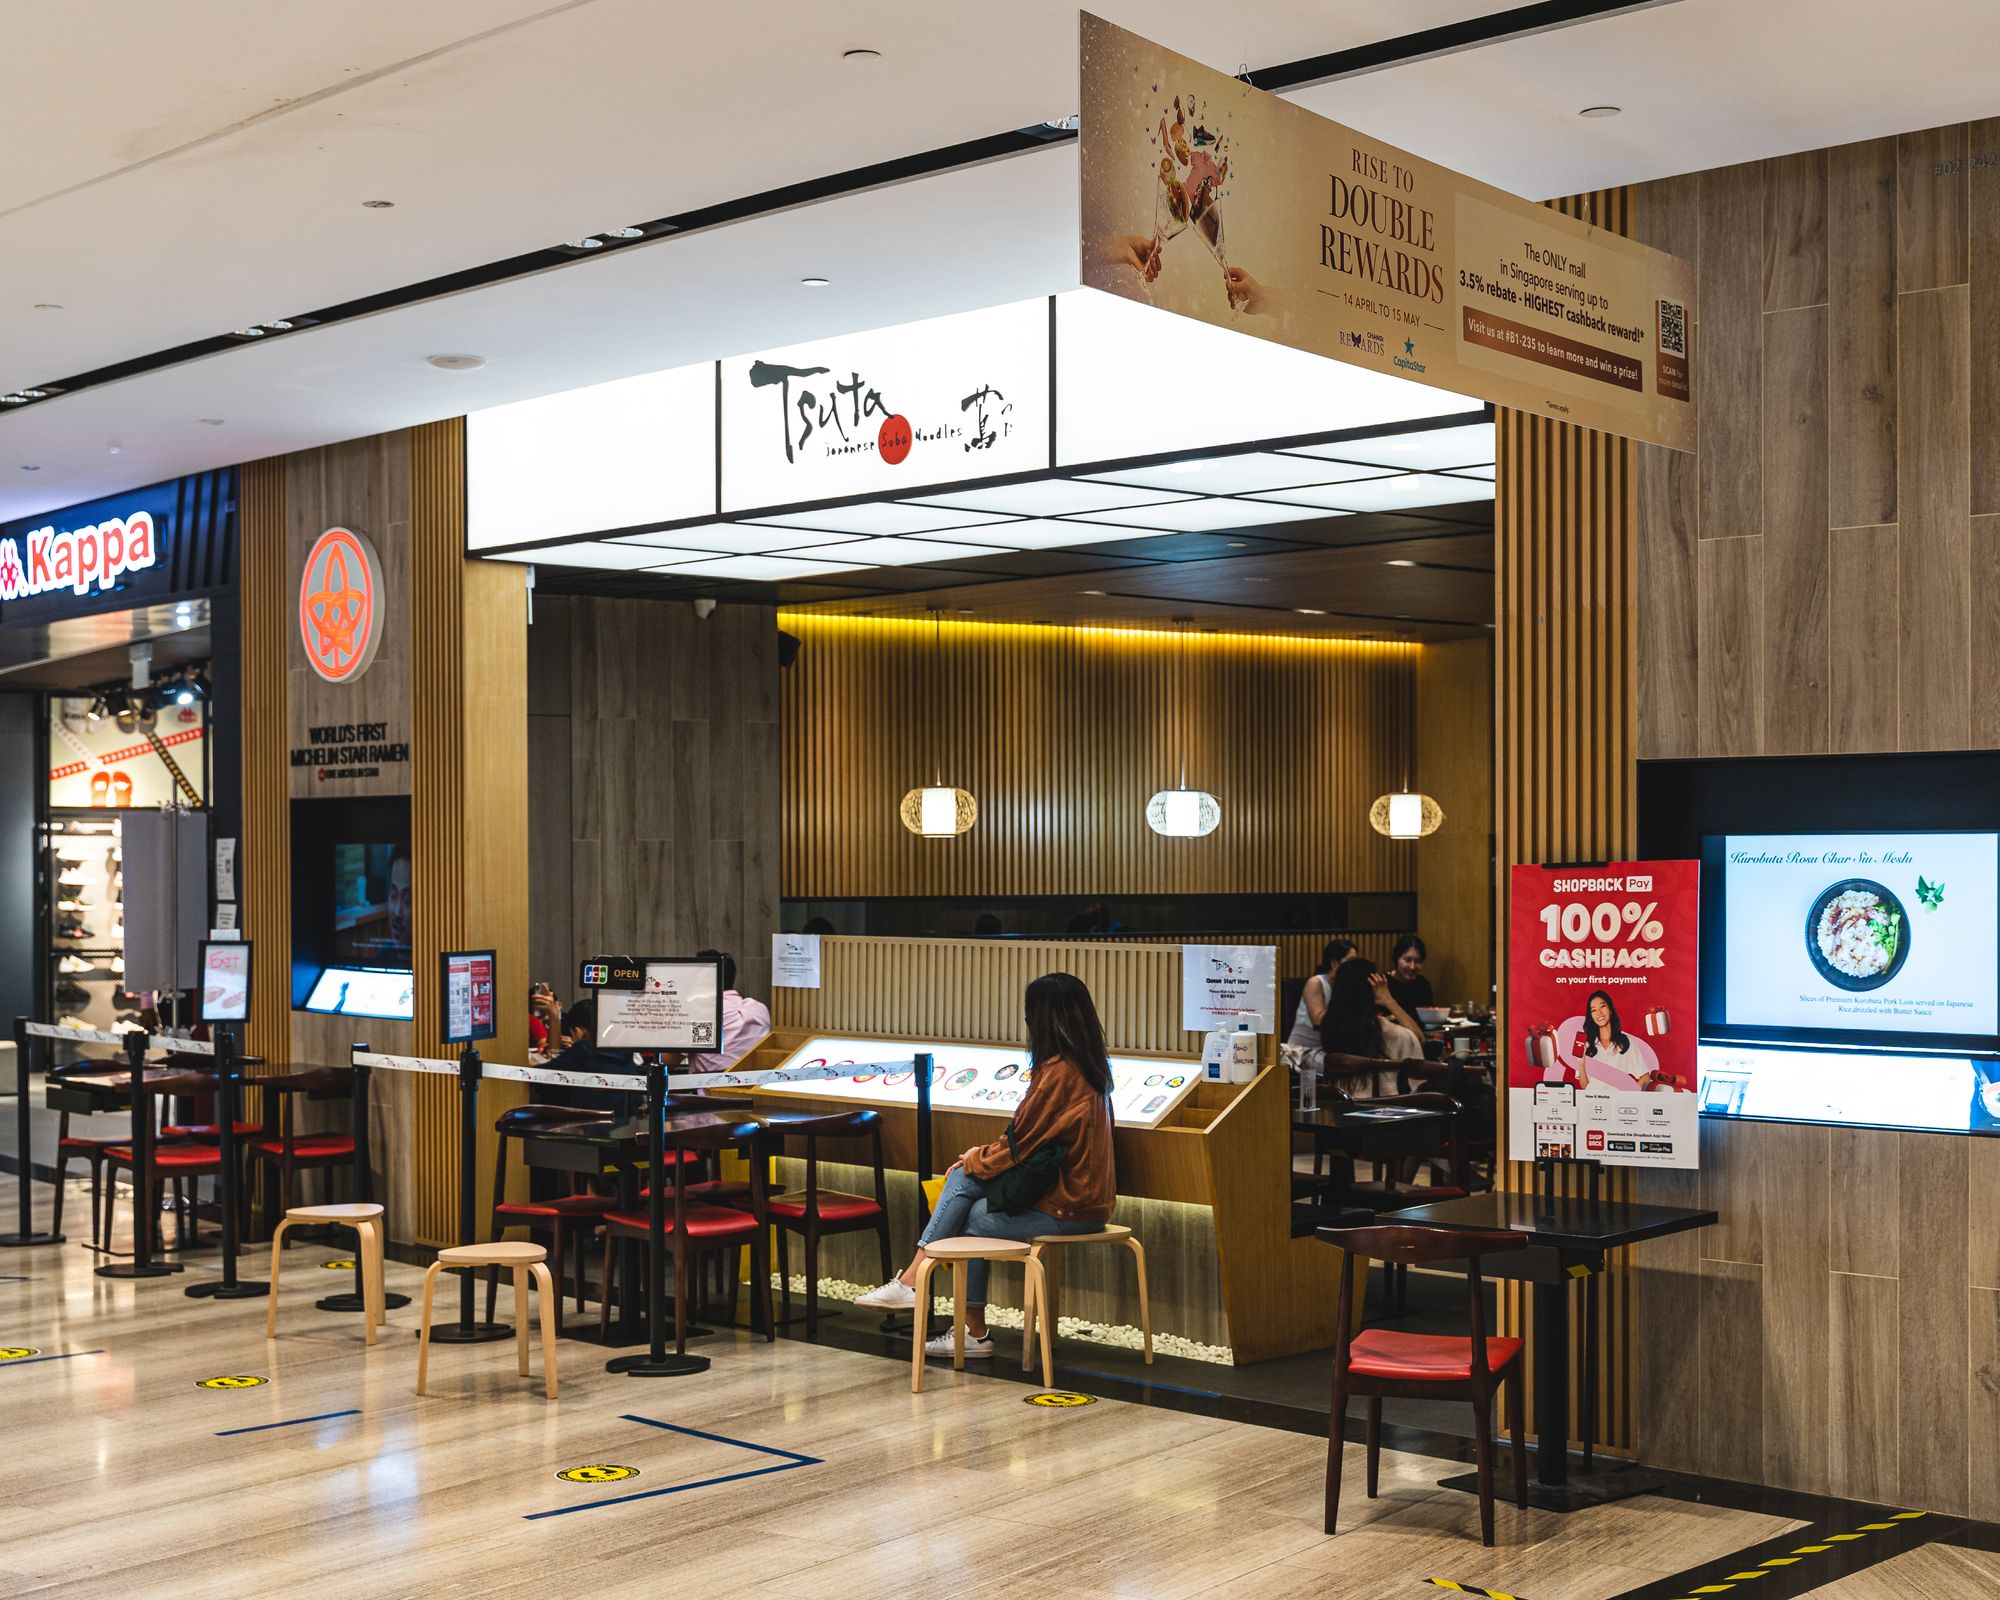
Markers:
<point>77,559</point>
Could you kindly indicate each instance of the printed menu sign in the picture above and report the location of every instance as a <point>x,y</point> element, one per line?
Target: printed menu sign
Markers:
<point>1213,200</point>
<point>468,996</point>
<point>1225,985</point>
<point>1603,976</point>
<point>677,1007</point>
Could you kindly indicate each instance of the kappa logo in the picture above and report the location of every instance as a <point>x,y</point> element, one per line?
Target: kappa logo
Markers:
<point>76,558</point>
<point>340,605</point>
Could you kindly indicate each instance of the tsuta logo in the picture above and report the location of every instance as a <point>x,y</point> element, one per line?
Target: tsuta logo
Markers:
<point>340,605</point>
<point>76,558</point>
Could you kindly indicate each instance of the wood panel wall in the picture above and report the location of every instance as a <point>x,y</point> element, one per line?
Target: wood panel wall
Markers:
<point>1566,722</point>
<point>1455,864</point>
<point>1062,734</point>
<point>655,788</point>
<point>265,851</point>
<point>1824,575</point>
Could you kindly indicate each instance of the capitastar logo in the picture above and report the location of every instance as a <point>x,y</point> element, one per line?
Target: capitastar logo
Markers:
<point>340,605</point>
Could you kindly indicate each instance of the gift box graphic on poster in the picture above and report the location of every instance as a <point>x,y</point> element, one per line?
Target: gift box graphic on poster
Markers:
<point>1603,975</point>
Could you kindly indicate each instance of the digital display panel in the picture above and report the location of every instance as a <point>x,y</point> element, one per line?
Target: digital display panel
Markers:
<point>364,992</point>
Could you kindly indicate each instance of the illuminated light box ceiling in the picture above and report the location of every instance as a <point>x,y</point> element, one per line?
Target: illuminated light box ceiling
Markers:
<point>1101,421</point>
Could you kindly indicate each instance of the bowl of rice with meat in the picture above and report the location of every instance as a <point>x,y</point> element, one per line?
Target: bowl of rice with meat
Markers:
<point>1857,934</point>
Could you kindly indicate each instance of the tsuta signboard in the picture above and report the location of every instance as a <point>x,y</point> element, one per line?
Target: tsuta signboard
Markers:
<point>1601,1002</point>
<point>340,605</point>
<point>77,559</point>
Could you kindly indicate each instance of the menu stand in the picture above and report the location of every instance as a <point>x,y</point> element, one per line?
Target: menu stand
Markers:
<point>24,1168</point>
<point>1587,1424</point>
<point>364,1178</point>
<point>142,1264</point>
<point>467,1330</point>
<point>658,1361</point>
<point>228,1079</point>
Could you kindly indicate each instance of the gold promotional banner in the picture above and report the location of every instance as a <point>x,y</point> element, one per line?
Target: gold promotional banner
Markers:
<point>1211,199</point>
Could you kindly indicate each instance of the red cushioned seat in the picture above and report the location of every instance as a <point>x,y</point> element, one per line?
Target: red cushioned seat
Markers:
<point>209,1130</point>
<point>310,1146</point>
<point>1421,1357</point>
<point>566,1205</point>
<point>703,1222</point>
<point>173,1157</point>
<point>71,1142</point>
<point>833,1207</point>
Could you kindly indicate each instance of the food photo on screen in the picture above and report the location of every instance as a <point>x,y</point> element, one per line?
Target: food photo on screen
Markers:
<point>1891,933</point>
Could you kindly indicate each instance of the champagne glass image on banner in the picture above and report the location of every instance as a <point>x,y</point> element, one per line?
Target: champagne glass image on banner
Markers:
<point>1857,935</point>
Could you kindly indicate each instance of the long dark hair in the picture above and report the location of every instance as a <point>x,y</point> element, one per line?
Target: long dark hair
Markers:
<point>1590,1027</point>
<point>1351,1025</point>
<point>1062,1021</point>
<point>1336,951</point>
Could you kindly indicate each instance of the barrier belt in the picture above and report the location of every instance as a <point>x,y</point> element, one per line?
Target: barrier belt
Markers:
<point>174,1042</point>
<point>627,1081</point>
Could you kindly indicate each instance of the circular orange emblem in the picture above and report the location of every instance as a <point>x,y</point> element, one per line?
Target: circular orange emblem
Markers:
<point>340,611</point>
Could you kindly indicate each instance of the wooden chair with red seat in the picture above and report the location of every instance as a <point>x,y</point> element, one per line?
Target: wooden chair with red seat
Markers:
<point>88,1149</point>
<point>279,1144</point>
<point>568,1219</point>
<point>694,1228</point>
<point>815,1213</point>
<point>1380,1363</point>
<point>1395,1189</point>
<point>175,1159</point>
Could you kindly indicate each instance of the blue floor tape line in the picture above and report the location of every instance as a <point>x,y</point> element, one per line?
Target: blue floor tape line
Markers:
<point>1138,1383</point>
<point>722,1438</point>
<point>29,1361</point>
<point>679,1488</point>
<point>261,1427</point>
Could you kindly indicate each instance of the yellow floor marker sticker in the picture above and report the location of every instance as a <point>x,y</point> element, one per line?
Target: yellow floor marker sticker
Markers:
<point>1062,1399</point>
<point>231,1381</point>
<point>336,1266</point>
<point>17,1352</point>
<point>597,1473</point>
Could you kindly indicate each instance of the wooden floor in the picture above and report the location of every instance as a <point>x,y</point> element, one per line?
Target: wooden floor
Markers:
<point>123,1478</point>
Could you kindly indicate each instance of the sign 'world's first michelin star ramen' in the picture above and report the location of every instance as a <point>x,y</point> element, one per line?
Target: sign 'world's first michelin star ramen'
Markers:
<point>75,559</point>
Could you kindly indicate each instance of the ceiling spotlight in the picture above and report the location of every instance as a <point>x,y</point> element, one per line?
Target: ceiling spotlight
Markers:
<point>184,697</point>
<point>13,399</point>
<point>624,233</point>
<point>815,282</point>
<point>251,332</point>
<point>114,449</point>
<point>280,326</point>
<point>592,243</point>
<point>211,422</point>
<point>379,205</point>
<point>36,394</point>
<point>95,711</point>
<point>1600,111</point>
<point>458,363</point>
<point>862,55</point>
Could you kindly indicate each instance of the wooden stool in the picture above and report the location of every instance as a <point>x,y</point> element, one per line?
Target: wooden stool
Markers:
<point>1044,1306</point>
<point>365,1218</point>
<point>522,1259</point>
<point>957,1252</point>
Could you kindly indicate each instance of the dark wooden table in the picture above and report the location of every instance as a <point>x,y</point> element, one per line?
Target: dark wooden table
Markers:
<point>1568,1239</point>
<point>1380,1135</point>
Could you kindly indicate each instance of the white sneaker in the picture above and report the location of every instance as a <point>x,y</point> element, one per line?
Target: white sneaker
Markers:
<point>895,1295</point>
<point>975,1349</point>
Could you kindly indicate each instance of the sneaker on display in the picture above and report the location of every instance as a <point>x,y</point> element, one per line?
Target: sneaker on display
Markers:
<point>117,965</point>
<point>118,933</point>
<point>128,1025</point>
<point>71,880</point>
<point>73,964</point>
<point>71,1022</point>
<point>72,905</point>
<point>72,930</point>
<point>895,1295</point>
<point>71,993</point>
<point>975,1349</point>
<point>69,855</point>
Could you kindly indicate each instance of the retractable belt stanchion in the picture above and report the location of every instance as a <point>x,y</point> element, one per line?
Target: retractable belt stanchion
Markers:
<point>364,1178</point>
<point>144,1219</point>
<point>24,1233</point>
<point>923,1078</point>
<point>467,1330</point>
<point>658,1361</point>
<point>228,1081</point>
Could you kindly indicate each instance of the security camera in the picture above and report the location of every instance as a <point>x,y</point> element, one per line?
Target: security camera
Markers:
<point>704,608</point>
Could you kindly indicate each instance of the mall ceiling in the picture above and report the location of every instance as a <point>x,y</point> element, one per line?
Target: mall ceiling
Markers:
<point>180,172</point>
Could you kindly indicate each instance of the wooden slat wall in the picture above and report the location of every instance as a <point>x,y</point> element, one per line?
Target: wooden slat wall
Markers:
<point>1566,719</point>
<point>1455,864</point>
<point>264,855</point>
<point>1062,734</point>
<point>1840,526</point>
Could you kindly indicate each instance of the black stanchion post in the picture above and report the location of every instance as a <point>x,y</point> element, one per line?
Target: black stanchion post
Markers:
<point>144,1218</point>
<point>228,1083</point>
<point>923,1077</point>
<point>356,1299</point>
<point>658,1361</point>
<point>466,1330</point>
<point>23,1148</point>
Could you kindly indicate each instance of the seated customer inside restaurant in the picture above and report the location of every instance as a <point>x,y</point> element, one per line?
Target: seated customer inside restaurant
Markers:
<point>1312,1000</point>
<point>745,1022</point>
<point>1364,1021</point>
<point>1406,974</point>
<point>1052,1171</point>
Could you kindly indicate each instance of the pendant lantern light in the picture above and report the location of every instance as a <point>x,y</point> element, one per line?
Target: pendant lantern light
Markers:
<point>1405,814</point>
<point>937,810</point>
<point>1183,813</point>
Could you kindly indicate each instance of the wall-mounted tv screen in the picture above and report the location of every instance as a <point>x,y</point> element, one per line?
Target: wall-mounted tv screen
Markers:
<point>1850,933</point>
<point>363,992</point>
<point>371,903</point>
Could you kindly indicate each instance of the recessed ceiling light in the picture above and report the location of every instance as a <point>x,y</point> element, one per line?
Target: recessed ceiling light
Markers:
<point>461,363</point>
<point>862,55</point>
<point>211,422</point>
<point>592,243</point>
<point>280,326</point>
<point>1600,111</point>
<point>1099,593</point>
<point>815,282</point>
<point>1239,544</point>
<point>29,466</point>
<point>252,332</point>
<point>379,205</point>
<point>47,305</point>
<point>965,611</point>
<point>36,394</point>
<point>1308,611</point>
<point>624,233</point>
<point>1399,563</point>
<point>114,449</point>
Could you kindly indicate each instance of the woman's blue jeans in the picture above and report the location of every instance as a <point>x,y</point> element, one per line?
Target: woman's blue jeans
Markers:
<point>962,1210</point>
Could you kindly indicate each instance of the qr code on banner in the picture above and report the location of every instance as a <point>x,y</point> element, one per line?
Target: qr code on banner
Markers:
<point>1673,328</point>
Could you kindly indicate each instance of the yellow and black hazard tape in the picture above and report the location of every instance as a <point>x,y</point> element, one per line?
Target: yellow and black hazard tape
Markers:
<point>1473,1588</point>
<point>1820,1545</point>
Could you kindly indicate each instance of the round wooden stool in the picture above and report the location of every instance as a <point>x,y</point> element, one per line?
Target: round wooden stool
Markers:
<point>957,1252</point>
<point>1043,1308</point>
<point>365,1218</point>
<point>521,1259</point>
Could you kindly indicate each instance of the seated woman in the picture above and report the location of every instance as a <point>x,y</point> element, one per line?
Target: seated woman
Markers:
<point>1363,1019</point>
<point>1067,1107</point>
<point>1312,999</point>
